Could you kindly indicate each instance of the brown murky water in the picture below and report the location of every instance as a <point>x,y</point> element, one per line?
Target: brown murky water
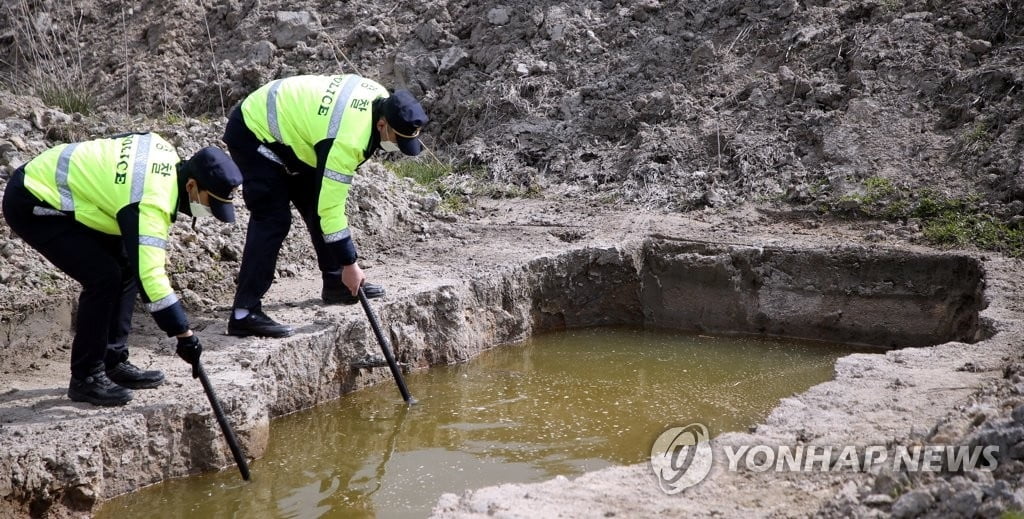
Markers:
<point>561,404</point>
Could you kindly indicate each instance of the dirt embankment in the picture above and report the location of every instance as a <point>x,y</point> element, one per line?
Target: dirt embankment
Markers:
<point>666,104</point>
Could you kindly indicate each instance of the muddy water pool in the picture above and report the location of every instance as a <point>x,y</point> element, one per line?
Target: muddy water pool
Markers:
<point>559,404</point>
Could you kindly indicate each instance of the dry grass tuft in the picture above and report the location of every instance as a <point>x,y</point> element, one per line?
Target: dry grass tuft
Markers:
<point>45,59</point>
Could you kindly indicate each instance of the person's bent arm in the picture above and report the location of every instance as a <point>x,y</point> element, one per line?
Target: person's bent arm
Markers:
<point>334,187</point>
<point>144,231</point>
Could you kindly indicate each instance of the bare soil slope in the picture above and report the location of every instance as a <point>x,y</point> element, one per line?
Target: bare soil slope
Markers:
<point>667,104</point>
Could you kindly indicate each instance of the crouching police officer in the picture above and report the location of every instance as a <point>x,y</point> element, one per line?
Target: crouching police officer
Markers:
<point>101,211</point>
<point>300,140</point>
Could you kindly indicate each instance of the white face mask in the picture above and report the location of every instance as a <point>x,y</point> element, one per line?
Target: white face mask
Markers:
<point>389,146</point>
<point>199,210</point>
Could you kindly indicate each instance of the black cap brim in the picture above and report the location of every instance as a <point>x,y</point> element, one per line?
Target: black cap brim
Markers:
<point>223,211</point>
<point>411,147</point>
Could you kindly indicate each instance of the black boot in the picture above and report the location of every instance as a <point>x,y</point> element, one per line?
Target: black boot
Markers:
<point>259,324</point>
<point>98,389</point>
<point>340,295</point>
<point>128,375</point>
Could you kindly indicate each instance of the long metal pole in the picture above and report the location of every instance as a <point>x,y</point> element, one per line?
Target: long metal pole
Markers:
<point>386,347</point>
<point>229,434</point>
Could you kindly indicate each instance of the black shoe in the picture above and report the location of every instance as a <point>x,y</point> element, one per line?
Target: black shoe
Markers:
<point>129,375</point>
<point>340,295</point>
<point>259,324</point>
<point>98,389</point>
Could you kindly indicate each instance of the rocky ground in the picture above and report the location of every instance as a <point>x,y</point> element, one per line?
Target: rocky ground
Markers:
<point>780,119</point>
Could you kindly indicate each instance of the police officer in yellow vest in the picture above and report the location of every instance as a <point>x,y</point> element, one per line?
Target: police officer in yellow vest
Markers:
<point>299,140</point>
<point>101,211</point>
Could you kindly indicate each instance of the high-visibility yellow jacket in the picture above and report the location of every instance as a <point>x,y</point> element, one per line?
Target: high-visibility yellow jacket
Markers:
<point>123,186</point>
<point>327,121</point>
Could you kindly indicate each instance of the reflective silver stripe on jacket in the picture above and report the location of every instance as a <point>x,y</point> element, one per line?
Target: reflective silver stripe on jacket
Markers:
<point>338,177</point>
<point>153,241</point>
<point>269,154</point>
<point>339,107</point>
<point>275,129</point>
<point>45,211</point>
<point>67,202</point>
<point>337,236</point>
<point>166,302</point>
<point>139,167</point>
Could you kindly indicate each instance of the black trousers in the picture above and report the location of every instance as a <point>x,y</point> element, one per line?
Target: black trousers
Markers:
<point>96,260</point>
<point>268,189</point>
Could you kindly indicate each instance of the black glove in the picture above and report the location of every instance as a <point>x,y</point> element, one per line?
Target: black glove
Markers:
<point>189,350</point>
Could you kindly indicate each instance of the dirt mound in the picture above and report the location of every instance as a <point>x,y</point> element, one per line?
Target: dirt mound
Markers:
<point>669,104</point>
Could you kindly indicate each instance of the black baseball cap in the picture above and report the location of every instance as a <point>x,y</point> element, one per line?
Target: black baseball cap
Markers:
<point>406,117</point>
<point>216,173</point>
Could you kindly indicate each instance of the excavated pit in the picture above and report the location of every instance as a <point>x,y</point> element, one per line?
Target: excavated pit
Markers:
<point>892,300</point>
<point>850,295</point>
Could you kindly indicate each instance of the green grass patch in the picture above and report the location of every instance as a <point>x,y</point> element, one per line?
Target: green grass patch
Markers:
<point>877,189</point>
<point>454,203</point>
<point>69,98</point>
<point>945,221</point>
<point>430,174</point>
<point>68,93</point>
<point>475,179</point>
<point>425,173</point>
<point>974,140</point>
<point>961,229</point>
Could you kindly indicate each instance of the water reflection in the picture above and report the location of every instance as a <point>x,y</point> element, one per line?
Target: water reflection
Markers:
<point>562,404</point>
